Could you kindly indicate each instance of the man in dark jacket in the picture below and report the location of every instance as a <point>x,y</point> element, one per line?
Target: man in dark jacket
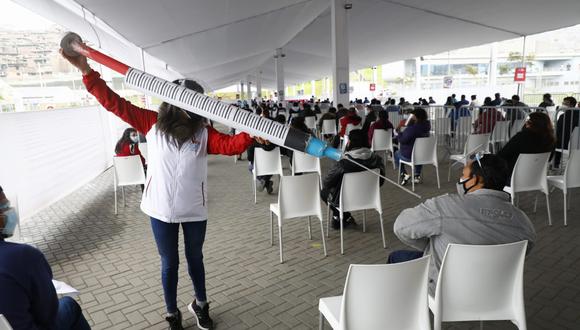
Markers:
<point>357,150</point>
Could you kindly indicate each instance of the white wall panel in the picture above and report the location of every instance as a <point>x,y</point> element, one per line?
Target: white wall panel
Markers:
<point>46,155</point>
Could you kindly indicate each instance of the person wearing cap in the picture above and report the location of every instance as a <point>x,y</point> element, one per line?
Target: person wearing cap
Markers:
<point>358,151</point>
<point>175,193</point>
<point>28,298</point>
<point>480,214</point>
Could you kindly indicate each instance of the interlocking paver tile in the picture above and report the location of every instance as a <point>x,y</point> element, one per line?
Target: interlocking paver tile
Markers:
<point>114,262</point>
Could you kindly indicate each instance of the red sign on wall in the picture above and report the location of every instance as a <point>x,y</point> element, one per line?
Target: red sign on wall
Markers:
<point>520,75</point>
<point>372,87</point>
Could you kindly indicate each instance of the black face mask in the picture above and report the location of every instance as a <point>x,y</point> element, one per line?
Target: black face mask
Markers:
<point>461,185</point>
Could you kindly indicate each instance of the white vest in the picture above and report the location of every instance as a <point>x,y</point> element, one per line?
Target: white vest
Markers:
<point>176,185</point>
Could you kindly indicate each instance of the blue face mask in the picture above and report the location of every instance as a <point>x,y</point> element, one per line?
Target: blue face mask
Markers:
<point>11,219</point>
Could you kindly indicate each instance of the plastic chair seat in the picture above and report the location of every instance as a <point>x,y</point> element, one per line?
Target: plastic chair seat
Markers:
<point>330,308</point>
<point>557,181</point>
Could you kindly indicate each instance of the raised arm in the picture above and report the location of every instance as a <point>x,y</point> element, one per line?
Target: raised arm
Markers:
<point>141,119</point>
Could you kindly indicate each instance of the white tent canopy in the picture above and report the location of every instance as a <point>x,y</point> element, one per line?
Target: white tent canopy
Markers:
<point>220,42</point>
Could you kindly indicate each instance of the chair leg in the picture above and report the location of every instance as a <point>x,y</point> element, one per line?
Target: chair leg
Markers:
<point>255,193</point>
<point>449,173</point>
<point>413,176</point>
<point>309,229</point>
<point>341,235</point>
<point>327,219</point>
<point>271,229</point>
<point>116,207</point>
<point>280,239</point>
<point>480,325</point>
<point>323,240</point>
<point>364,221</point>
<point>536,203</point>
<point>565,210</point>
<point>382,230</point>
<point>437,173</point>
<point>548,207</point>
<point>320,321</point>
<point>124,199</point>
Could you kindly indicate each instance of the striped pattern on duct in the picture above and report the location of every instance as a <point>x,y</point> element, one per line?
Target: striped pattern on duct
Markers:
<point>207,107</point>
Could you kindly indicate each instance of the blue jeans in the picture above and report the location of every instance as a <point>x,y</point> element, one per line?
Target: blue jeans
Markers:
<point>399,157</point>
<point>167,239</point>
<point>403,255</point>
<point>70,316</point>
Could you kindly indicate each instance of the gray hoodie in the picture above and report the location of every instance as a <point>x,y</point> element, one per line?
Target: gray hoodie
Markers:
<point>483,217</point>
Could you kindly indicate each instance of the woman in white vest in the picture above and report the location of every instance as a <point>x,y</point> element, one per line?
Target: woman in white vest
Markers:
<point>176,186</point>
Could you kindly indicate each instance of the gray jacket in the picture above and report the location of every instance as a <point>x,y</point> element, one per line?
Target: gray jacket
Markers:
<point>483,217</point>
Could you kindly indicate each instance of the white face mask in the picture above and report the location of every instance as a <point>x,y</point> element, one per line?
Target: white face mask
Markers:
<point>135,139</point>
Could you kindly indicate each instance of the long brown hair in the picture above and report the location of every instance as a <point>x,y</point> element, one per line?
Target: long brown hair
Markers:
<point>541,124</point>
<point>177,125</point>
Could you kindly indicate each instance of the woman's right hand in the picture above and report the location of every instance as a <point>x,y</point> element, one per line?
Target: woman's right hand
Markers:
<point>79,62</point>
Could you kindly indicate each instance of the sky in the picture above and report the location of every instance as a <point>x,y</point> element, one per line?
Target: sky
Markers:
<point>15,17</point>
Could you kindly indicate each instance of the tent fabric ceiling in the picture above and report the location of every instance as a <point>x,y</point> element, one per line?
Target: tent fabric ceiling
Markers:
<point>220,42</point>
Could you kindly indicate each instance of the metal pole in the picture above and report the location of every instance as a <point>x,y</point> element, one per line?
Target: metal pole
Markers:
<point>521,86</point>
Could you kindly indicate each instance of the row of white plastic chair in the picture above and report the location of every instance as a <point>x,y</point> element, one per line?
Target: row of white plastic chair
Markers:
<point>475,283</point>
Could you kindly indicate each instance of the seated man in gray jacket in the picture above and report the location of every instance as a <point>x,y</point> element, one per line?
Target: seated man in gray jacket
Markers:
<point>480,214</point>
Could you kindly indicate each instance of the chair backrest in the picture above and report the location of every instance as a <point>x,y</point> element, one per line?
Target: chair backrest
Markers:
<point>500,131</point>
<point>572,171</point>
<point>479,141</point>
<point>329,126</point>
<point>517,126</point>
<point>574,142</point>
<point>129,170</point>
<point>360,191</point>
<point>350,127</point>
<point>310,122</point>
<point>425,151</point>
<point>4,325</point>
<point>382,140</point>
<point>530,173</point>
<point>464,125</point>
<point>299,196</point>
<point>481,282</point>
<point>304,163</point>
<point>390,296</point>
<point>144,150</point>
<point>267,162</point>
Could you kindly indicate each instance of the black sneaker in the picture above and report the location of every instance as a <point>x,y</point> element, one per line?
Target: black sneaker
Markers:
<point>204,322</point>
<point>335,223</point>
<point>405,179</point>
<point>174,321</point>
<point>349,222</point>
<point>270,187</point>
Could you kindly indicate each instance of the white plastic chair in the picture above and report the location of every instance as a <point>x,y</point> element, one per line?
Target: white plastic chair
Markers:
<point>474,141</point>
<point>304,163</point>
<point>573,142</point>
<point>4,325</point>
<point>570,179</point>
<point>299,196</point>
<point>383,141</point>
<point>359,191</point>
<point>529,174</point>
<point>310,122</point>
<point>517,126</point>
<point>481,282</point>
<point>380,297</point>
<point>329,127</point>
<point>266,163</point>
<point>128,172</point>
<point>424,153</point>
<point>499,135</point>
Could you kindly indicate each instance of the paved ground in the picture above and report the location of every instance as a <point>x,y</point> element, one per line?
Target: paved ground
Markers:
<point>113,261</point>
